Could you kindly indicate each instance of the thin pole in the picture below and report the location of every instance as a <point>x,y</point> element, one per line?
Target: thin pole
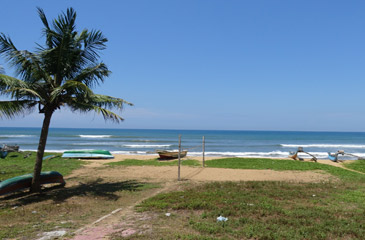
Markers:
<point>178,174</point>
<point>203,151</point>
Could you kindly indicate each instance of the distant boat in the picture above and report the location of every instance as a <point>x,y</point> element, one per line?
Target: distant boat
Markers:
<point>10,148</point>
<point>334,156</point>
<point>87,154</point>
<point>171,154</point>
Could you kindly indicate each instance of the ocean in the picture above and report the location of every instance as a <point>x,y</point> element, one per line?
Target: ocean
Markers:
<point>273,144</point>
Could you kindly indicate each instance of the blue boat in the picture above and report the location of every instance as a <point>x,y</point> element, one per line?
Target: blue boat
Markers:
<point>88,154</point>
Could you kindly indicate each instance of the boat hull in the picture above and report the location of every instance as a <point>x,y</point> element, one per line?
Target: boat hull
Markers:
<point>88,154</point>
<point>171,155</point>
<point>24,181</point>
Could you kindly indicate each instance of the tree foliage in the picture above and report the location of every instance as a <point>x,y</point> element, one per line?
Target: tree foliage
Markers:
<point>60,73</point>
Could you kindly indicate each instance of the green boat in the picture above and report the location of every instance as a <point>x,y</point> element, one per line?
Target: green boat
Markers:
<point>24,181</point>
<point>88,154</point>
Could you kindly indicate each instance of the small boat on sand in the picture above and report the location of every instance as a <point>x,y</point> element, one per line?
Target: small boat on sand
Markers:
<point>5,149</point>
<point>10,148</point>
<point>24,181</point>
<point>87,154</point>
<point>171,154</point>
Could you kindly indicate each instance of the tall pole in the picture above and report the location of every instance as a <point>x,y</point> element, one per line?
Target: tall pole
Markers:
<point>203,151</point>
<point>178,174</point>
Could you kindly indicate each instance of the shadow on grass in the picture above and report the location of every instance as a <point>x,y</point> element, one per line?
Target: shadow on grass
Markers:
<point>96,188</point>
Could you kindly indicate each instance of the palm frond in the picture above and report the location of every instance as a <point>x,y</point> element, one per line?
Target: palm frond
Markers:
<point>27,64</point>
<point>87,107</point>
<point>93,74</point>
<point>72,88</point>
<point>10,109</point>
<point>19,93</point>
<point>7,82</point>
<point>108,102</point>
<point>93,42</point>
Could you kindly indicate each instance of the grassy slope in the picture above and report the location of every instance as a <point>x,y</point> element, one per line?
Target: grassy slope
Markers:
<point>358,165</point>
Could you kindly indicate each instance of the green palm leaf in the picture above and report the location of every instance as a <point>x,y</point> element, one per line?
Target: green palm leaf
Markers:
<point>10,109</point>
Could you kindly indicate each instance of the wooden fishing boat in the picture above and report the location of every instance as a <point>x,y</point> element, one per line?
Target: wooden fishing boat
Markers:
<point>88,154</point>
<point>171,154</point>
<point>294,155</point>
<point>24,181</point>
<point>334,156</point>
<point>10,148</point>
<point>5,149</point>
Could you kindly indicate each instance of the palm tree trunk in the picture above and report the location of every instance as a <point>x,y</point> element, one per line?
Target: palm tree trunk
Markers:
<point>36,186</point>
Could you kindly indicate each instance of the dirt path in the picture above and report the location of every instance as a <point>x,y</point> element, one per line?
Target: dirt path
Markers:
<point>121,221</point>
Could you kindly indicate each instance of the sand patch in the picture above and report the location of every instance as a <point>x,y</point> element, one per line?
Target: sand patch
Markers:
<point>170,173</point>
<point>200,174</point>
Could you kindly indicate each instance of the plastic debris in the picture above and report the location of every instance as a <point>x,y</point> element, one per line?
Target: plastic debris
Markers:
<point>168,214</point>
<point>222,219</point>
<point>52,235</point>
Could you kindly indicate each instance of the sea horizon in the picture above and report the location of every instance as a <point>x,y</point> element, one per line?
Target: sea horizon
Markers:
<point>222,143</point>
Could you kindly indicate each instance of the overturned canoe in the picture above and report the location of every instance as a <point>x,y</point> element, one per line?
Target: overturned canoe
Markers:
<point>171,154</point>
<point>24,181</point>
<point>97,154</point>
<point>3,154</point>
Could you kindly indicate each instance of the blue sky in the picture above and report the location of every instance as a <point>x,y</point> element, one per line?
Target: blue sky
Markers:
<point>207,64</point>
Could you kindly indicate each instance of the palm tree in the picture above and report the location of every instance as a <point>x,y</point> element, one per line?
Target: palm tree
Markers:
<point>59,74</point>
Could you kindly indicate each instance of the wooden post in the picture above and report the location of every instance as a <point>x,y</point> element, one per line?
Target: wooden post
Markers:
<point>203,151</point>
<point>178,174</point>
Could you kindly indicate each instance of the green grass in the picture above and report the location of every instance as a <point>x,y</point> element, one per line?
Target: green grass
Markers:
<point>358,165</point>
<point>261,210</point>
<point>15,164</point>
<point>154,162</point>
<point>283,165</point>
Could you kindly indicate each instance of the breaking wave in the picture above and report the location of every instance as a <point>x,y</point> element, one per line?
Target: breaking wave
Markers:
<point>324,145</point>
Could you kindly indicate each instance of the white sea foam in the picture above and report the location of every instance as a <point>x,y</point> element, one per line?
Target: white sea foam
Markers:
<point>95,136</point>
<point>16,136</point>
<point>324,145</point>
<point>132,152</point>
<point>96,144</point>
<point>273,154</point>
<point>145,146</point>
